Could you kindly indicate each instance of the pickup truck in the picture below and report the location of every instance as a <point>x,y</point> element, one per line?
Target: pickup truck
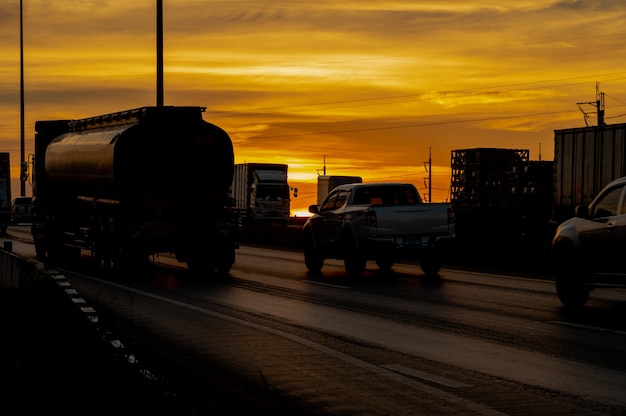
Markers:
<point>588,249</point>
<point>384,222</point>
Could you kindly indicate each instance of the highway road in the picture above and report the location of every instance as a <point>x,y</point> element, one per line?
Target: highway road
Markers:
<point>467,343</point>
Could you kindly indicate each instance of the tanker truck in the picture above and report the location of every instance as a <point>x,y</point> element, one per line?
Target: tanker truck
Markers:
<point>133,184</point>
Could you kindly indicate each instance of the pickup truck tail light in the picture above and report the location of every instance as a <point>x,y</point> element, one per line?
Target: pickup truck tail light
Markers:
<point>450,215</point>
<point>370,219</point>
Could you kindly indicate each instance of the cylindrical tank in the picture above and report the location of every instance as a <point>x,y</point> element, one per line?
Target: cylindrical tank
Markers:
<point>133,183</point>
<point>161,151</point>
<point>84,157</point>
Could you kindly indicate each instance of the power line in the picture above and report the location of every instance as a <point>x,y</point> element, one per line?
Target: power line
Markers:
<point>425,53</point>
<point>500,89</point>
<point>405,126</point>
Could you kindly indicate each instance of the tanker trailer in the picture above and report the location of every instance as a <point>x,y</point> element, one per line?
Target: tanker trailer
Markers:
<point>132,184</point>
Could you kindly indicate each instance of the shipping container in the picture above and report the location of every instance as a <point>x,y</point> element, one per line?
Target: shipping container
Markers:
<point>585,160</point>
<point>326,183</point>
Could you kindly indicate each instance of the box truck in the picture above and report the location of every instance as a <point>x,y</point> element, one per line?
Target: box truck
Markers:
<point>260,192</point>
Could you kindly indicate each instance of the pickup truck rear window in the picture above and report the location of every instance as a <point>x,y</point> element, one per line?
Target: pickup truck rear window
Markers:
<point>386,195</point>
<point>607,205</point>
<point>335,200</point>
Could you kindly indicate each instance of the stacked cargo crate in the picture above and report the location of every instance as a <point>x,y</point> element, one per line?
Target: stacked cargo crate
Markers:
<point>481,191</point>
<point>502,198</point>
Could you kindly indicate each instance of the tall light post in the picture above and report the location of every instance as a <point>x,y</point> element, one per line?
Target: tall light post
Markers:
<point>159,53</point>
<point>23,172</point>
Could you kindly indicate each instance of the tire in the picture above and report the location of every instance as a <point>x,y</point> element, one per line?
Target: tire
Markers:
<point>40,249</point>
<point>312,258</point>
<point>128,263</point>
<point>200,267</point>
<point>353,259</point>
<point>571,292</point>
<point>568,279</point>
<point>431,265</point>
<point>103,254</point>
<point>384,263</point>
<point>223,268</point>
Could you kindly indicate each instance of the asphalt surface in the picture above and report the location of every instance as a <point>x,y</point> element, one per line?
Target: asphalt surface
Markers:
<point>53,359</point>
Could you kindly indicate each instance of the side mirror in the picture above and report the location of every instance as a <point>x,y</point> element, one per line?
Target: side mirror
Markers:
<point>581,211</point>
<point>314,209</point>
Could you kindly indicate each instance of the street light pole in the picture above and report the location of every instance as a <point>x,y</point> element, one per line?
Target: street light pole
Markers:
<point>159,53</point>
<point>23,172</point>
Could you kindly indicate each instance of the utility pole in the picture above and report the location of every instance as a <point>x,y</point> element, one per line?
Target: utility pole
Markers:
<point>430,175</point>
<point>429,167</point>
<point>159,53</point>
<point>599,104</point>
<point>23,167</point>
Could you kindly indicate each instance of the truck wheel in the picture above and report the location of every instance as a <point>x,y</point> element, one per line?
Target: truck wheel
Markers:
<point>224,263</point>
<point>571,294</point>
<point>102,255</point>
<point>570,289</point>
<point>200,266</point>
<point>354,260</point>
<point>384,263</point>
<point>40,249</point>
<point>568,279</point>
<point>223,268</point>
<point>128,263</point>
<point>312,259</point>
<point>431,266</point>
<point>55,251</point>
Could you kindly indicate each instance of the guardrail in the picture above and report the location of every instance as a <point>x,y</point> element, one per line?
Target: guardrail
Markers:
<point>17,272</point>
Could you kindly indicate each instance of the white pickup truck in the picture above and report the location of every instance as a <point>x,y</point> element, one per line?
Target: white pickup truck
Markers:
<point>385,222</point>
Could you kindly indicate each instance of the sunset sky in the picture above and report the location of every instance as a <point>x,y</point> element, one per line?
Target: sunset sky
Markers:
<point>367,86</point>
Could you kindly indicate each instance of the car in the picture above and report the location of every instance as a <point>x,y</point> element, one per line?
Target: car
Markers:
<point>21,209</point>
<point>589,250</point>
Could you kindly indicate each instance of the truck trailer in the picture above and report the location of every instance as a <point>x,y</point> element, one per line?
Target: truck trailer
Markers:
<point>585,160</point>
<point>326,183</point>
<point>5,191</point>
<point>260,193</point>
<point>132,184</point>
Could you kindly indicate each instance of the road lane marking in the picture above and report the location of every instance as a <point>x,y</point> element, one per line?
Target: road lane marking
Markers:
<point>412,372</point>
<point>589,327</point>
<point>376,369</point>
<point>327,284</point>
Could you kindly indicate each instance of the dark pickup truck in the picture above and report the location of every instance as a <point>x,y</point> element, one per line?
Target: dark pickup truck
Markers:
<point>385,222</point>
<point>588,251</point>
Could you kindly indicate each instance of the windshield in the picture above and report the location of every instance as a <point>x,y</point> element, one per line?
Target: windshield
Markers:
<point>272,191</point>
<point>387,195</point>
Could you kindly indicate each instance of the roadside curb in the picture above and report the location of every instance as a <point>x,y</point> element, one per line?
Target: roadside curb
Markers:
<point>32,279</point>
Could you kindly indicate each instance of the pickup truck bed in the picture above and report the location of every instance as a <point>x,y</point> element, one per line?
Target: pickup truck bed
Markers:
<point>385,222</point>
